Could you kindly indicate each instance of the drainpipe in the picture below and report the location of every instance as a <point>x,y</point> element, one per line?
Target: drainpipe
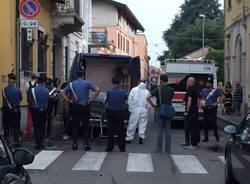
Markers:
<point>18,45</point>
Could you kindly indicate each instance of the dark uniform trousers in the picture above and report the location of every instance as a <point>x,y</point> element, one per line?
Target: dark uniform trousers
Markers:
<point>39,117</point>
<point>49,119</point>
<point>116,125</point>
<point>80,114</point>
<point>192,129</point>
<point>210,119</point>
<point>11,121</point>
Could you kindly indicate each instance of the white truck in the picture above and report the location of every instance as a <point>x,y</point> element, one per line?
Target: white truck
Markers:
<point>99,69</point>
<point>178,70</point>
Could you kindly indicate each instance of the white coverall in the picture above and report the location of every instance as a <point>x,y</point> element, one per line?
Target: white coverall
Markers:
<point>138,107</point>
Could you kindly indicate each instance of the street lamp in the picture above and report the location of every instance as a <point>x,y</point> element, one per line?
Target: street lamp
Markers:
<point>203,33</point>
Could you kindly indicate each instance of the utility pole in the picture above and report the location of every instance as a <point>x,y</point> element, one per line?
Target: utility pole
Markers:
<point>203,33</point>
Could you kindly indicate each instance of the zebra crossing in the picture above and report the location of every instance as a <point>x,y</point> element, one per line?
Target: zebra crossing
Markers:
<point>136,162</point>
<point>91,161</point>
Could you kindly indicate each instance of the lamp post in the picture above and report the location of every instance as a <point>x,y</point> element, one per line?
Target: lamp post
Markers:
<point>203,33</point>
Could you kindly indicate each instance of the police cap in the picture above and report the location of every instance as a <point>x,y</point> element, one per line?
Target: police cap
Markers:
<point>12,76</point>
<point>42,77</point>
<point>80,73</point>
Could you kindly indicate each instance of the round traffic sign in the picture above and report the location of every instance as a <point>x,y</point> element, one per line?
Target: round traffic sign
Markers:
<point>29,8</point>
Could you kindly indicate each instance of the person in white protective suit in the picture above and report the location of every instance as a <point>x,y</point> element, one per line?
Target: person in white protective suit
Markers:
<point>138,107</point>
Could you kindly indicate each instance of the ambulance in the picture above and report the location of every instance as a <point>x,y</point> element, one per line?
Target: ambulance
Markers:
<point>178,71</point>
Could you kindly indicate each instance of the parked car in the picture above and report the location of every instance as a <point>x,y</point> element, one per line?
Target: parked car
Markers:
<point>11,164</point>
<point>237,153</point>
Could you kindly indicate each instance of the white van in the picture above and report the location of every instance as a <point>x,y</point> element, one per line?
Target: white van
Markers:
<point>178,70</point>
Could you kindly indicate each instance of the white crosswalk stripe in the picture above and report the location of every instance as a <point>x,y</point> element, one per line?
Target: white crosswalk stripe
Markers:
<point>43,159</point>
<point>222,158</point>
<point>188,164</point>
<point>139,163</point>
<point>90,161</point>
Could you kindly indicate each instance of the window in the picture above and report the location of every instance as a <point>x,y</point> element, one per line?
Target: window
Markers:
<point>244,128</point>
<point>77,47</point>
<point>123,47</point>
<point>119,41</point>
<point>127,46</point>
<point>4,159</point>
<point>66,62</point>
<point>229,4</point>
<point>26,54</point>
<point>42,52</point>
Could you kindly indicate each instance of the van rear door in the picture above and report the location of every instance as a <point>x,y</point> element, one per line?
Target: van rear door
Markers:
<point>135,71</point>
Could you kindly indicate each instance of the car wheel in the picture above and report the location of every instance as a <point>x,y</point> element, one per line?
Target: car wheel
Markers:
<point>229,178</point>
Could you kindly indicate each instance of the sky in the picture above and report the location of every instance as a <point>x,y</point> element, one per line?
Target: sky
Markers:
<point>156,16</point>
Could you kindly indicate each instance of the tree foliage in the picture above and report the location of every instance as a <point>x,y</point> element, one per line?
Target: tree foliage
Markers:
<point>218,57</point>
<point>185,34</point>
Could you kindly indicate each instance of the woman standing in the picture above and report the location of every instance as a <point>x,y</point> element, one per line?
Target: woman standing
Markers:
<point>228,98</point>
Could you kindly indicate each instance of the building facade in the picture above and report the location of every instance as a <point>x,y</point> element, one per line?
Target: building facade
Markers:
<point>141,49</point>
<point>20,54</point>
<point>71,22</point>
<point>63,29</point>
<point>8,40</point>
<point>115,31</point>
<point>237,45</point>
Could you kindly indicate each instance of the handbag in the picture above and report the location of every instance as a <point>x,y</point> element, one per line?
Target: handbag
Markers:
<point>166,110</point>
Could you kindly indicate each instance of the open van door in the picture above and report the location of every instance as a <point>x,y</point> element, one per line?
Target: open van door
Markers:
<point>135,71</point>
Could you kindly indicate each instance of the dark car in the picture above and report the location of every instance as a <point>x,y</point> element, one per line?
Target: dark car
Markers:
<point>237,153</point>
<point>11,164</point>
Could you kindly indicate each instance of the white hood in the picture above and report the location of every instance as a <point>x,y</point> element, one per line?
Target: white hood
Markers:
<point>137,97</point>
<point>142,85</point>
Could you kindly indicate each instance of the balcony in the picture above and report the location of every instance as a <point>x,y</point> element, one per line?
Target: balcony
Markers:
<point>99,40</point>
<point>58,1</point>
<point>66,18</point>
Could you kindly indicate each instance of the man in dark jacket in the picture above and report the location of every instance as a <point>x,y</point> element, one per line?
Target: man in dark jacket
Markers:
<point>191,114</point>
<point>11,109</point>
<point>116,102</point>
<point>39,102</point>
<point>79,90</point>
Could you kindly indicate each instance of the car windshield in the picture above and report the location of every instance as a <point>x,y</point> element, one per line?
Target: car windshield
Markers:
<point>245,124</point>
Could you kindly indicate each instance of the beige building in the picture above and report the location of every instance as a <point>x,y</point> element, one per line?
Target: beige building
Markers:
<point>115,31</point>
<point>237,45</point>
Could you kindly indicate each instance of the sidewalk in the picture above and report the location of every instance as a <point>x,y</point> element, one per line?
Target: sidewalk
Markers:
<point>224,119</point>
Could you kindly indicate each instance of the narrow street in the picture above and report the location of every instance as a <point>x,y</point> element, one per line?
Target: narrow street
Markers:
<point>74,74</point>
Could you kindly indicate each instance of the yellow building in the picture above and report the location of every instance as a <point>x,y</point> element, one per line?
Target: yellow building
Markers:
<point>237,45</point>
<point>17,53</point>
<point>7,39</point>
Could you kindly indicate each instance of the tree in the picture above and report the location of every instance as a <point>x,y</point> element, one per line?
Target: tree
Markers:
<point>185,33</point>
<point>165,55</point>
<point>218,57</point>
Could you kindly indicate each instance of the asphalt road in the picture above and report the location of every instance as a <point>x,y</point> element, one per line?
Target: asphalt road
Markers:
<point>138,166</point>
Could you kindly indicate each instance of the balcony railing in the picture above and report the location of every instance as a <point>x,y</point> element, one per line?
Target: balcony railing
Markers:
<point>98,38</point>
<point>67,8</point>
<point>58,1</point>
